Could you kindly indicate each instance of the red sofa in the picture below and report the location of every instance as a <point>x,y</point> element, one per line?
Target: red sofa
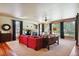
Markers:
<point>31,41</point>
<point>23,39</point>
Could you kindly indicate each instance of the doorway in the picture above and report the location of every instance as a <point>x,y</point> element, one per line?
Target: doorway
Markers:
<point>17,28</point>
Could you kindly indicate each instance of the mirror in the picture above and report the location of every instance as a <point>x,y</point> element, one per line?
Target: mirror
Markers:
<point>6,27</point>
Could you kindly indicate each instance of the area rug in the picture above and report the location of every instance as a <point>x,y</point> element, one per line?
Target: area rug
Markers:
<point>5,50</point>
<point>63,49</point>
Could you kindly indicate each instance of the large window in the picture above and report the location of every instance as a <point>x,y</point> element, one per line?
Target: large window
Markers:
<point>69,29</point>
<point>57,27</point>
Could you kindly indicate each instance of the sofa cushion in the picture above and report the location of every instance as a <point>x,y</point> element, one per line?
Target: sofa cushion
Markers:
<point>23,39</point>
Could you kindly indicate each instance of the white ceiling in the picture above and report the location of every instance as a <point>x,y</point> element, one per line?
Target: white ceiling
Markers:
<point>37,12</point>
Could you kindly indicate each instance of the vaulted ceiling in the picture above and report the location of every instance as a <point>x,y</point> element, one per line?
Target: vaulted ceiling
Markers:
<point>37,11</point>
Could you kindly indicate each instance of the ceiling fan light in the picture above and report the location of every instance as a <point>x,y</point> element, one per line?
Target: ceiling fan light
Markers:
<point>45,19</point>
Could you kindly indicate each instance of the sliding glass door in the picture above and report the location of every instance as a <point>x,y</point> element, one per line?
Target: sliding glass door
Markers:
<point>69,30</point>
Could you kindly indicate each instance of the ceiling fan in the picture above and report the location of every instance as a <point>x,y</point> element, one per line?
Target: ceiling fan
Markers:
<point>45,19</point>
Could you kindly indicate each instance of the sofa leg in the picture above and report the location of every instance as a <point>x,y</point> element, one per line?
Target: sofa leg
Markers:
<point>48,47</point>
<point>36,49</point>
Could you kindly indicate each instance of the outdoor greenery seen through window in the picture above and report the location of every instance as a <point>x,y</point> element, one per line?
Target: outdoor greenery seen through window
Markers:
<point>69,28</point>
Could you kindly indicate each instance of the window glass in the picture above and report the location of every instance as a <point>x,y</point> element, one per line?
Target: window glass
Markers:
<point>69,29</point>
<point>56,28</point>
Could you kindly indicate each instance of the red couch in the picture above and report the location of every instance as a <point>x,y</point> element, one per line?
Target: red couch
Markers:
<point>31,41</point>
<point>23,39</point>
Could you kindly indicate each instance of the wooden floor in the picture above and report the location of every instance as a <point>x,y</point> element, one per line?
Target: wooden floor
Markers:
<point>5,50</point>
<point>75,51</point>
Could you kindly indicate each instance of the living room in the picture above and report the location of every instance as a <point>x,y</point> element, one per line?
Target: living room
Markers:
<point>37,29</point>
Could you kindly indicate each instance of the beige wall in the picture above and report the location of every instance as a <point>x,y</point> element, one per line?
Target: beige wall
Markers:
<point>29,25</point>
<point>5,20</point>
<point>8,20</point>
<point>46,28</point>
